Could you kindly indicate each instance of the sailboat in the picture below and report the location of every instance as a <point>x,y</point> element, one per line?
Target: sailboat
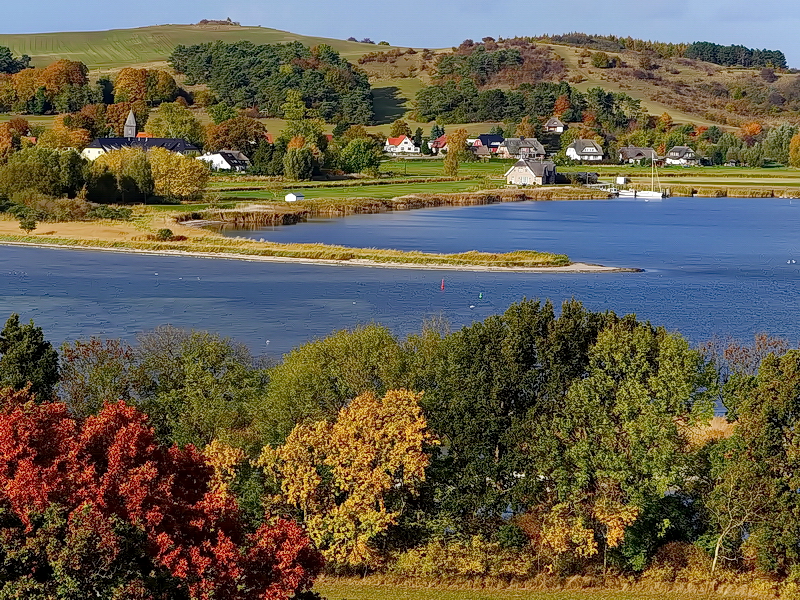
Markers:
<point>652,192</point>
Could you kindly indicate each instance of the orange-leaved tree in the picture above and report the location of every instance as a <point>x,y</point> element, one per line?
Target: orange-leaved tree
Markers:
<point>103,509</point>
<point>347,479</point>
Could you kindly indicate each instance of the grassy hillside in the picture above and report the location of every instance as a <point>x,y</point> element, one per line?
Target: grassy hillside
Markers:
<point>117,48</point>
<point>396,81</point>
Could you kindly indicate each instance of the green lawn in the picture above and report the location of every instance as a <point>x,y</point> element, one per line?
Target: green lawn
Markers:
<point>362,191</point>
<point>357,591</point>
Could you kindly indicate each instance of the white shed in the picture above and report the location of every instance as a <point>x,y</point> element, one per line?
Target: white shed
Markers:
<point>294,197</point>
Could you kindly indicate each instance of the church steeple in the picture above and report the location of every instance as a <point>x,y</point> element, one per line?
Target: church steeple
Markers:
<point>130,126</point>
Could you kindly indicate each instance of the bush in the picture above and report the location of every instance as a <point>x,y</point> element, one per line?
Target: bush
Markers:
<point>164,235</point>
<point>110,212</point>
<point>601,60</point>
<point>49,208</point>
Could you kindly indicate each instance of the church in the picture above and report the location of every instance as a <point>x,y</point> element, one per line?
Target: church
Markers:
<point>132,139</point>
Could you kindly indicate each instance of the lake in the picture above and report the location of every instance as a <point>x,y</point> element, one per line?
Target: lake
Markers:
<point>712,266</point>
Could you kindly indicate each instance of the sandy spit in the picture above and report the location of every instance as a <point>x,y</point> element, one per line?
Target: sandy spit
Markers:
<point>571,268</point>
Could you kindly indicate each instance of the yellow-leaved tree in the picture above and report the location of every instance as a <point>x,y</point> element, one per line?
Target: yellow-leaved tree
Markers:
<point>177,177</point>
<point>347,479</point>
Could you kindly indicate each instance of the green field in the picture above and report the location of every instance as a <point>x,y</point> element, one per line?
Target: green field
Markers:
<point>117,48</point>
<point>357,591</point>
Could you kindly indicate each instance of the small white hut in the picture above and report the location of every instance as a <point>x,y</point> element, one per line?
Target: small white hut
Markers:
<point>294,196</point>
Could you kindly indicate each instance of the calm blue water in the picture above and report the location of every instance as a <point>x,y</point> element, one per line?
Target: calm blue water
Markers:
<point>713,266</point>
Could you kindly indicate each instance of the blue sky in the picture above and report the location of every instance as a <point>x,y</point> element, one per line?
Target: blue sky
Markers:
<point>773,24</point>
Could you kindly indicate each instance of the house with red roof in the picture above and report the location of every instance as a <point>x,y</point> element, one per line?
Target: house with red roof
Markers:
<point>439,144</point>
<point>400,145</point>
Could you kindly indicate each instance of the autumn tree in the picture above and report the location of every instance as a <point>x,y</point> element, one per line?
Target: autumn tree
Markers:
<point>177,177</point>
<point>94,370</point>
<point>561,106</point>
<point>104,510</point>
<point>525,128</point>
<point>239,133</point>
<point>372,455</point>
<point>152,86</point>
<point>171,120</point>
<point>62,137</point>
<point>457,152</point>
<point>27,359</point>
<point>794,151</point>
<point>117,114</point>
<point>398,128</point>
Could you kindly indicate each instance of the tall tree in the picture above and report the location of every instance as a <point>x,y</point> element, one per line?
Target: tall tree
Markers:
<point>373,455</point>
<point>457,152</point>
<point>171,120</point>
<point>27,359</point>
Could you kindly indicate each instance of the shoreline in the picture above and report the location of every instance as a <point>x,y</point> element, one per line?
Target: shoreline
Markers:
<point>576,267</point>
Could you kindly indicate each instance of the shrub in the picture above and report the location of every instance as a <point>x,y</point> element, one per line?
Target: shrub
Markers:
<point>110,212</point>
<point>164,235</point>
<point>49,208</point>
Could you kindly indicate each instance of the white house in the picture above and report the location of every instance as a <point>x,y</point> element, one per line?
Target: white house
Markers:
<point>226,160</point>
<point>586,150</point>
<point>531,172</point>
<point>294,197</point>
<point>554,125</point>
<point>681,155</point>
<point>400,145</point>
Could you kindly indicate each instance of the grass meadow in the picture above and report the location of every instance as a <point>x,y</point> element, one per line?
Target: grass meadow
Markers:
<point>355,590</point>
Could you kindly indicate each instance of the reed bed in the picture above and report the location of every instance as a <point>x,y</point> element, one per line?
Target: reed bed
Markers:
<point>281,213</point>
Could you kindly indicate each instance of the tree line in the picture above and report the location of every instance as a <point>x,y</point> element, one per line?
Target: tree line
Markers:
<point>243,75</point>
<point>531,442</point>
<point>735,55</point>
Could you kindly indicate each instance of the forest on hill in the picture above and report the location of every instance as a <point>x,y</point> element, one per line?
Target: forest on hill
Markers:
<point>525,444</point>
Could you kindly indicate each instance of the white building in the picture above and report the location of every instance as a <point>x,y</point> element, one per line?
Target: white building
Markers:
<point>554,125</point>
<point>531,172</point>
<point>226,160</point>
<point>294,197</point>
<point>681,155</point>
<point>400,145</point>
<point>585,150</point>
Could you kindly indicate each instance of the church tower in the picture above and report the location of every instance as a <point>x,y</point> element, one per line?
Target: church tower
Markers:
<point>130,126</point>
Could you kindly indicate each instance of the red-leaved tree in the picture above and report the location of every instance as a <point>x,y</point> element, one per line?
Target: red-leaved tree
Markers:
<point>130,506</point>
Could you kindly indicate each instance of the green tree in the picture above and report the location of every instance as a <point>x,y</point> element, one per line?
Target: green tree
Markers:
<point>294,108</point>
<point>298,164</point>
<point>171,120</point>
<point>220,113</point>
<point>417,139</point>
<point>198,387</point>
<point>437,131</point>
<point>483,385</point>
<point>317,379</point>
<point>361,155</point>
<point>27,358</point>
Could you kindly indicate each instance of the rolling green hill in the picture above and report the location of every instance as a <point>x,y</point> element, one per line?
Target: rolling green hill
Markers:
<point>117,48</point>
